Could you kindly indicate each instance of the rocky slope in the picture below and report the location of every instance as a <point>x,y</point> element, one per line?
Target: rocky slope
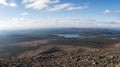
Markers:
<point>59,56</point>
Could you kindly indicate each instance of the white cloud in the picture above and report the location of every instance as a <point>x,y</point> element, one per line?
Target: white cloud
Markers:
<point>4,2</point>
<point>24,13</point>
<point>14,19</point>
<point>112,12</point>
<point>107,11</point>
<point>50,5</point>
<point>60,7</point>
<point>77,8</point>
<point>12,5</point>
<point>38,4</point>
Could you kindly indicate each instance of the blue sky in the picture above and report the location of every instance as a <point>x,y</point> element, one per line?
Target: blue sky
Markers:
<point>59,13</point>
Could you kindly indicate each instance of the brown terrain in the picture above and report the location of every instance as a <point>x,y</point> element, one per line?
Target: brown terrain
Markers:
<point>33,43</point>
<point>65,56</point>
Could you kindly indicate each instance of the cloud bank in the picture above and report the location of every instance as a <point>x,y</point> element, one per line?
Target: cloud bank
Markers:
<point>19,23</point>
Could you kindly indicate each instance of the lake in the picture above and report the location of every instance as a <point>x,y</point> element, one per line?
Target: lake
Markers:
<point>69,35</point>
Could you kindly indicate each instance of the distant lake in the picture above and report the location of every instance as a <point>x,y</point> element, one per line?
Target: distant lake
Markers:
<point>69,35</point>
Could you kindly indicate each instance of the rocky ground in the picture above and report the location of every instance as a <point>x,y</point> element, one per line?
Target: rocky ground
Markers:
<point>58,57</point>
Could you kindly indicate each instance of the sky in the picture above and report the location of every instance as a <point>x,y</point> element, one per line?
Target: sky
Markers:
<point>22,14</point>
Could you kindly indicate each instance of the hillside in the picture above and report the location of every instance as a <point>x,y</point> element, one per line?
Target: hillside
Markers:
<point>59,56</point>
